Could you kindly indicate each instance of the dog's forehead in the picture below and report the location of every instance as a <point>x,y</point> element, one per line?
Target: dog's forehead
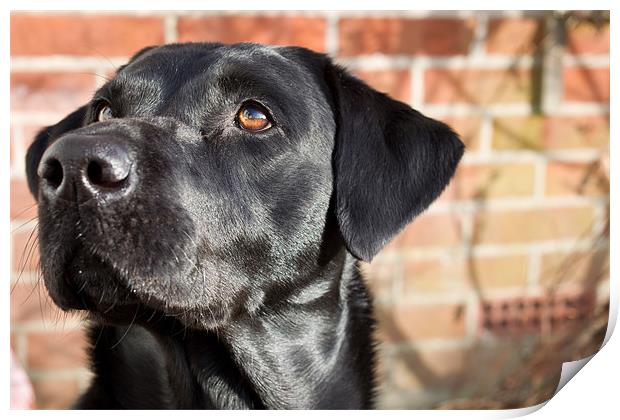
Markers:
<point>189,61</point>
<point>184,80</point>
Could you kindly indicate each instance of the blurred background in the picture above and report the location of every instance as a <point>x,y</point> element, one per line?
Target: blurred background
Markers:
<point>481,298</point>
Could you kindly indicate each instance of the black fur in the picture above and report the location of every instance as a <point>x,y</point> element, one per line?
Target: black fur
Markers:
<point>227,277</point>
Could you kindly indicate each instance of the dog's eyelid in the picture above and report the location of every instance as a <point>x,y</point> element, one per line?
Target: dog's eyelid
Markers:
<point>102,110</point>
<point>258,103</point>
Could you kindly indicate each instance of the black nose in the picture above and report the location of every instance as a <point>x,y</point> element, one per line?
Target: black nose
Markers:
<point>82,167</point>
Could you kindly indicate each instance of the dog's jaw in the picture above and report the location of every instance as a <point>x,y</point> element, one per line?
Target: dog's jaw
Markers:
<point>320,364</point>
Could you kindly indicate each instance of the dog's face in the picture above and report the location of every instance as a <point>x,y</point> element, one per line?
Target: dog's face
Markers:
<point>203,180</point>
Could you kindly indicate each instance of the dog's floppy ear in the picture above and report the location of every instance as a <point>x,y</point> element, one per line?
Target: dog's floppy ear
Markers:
<point>390,163</point>
<point>43,139</point>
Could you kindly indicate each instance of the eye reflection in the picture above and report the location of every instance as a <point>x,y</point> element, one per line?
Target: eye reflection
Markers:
<point>253,117</point>
<point>105,113</point>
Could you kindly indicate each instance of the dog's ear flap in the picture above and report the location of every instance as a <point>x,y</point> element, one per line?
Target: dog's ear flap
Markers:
<point>390,163</point>
<point>44,138</point>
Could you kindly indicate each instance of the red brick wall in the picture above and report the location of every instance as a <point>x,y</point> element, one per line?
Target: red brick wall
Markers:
<point>528,199</point>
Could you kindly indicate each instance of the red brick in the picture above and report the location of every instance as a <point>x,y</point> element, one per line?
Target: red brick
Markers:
<point>584,131</point>
<point>57,350</point>
<point>583,84</point>
<point>278,30</point>
<point>99,36</point>
<point>431,230</point>
<point>381,275</point>
<point>585,38</point>
<point>540,133</point>
<point>23,205</point>
<point>477,86</point>
<point>25,250</point>
<point>522,226</point>
<point>12,148</point>
<point>491,180</point>
<point>19,147</point>
<point>55,393</point>
<point>392,245</point>
<point>437,36</point>
<point>575,178</point>
<point>31,302</point>
<point>436,275</point>
<point>514,35</point>
<point>468,129</point>
<point>454,275</point>
<point>403,323</point>
<point>50,92</point>
<point>396,83</point>
<point>29,132</point>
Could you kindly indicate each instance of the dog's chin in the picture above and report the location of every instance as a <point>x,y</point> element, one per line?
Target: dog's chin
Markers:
<point>87,283</point>
<point>103,290</point>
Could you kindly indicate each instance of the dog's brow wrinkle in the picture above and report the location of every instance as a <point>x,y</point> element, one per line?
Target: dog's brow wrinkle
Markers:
<point>311,292</point>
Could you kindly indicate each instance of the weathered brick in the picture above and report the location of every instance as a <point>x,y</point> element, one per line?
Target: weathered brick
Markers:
<point>57,350</point>
<point>575,269</point>
<point>590,131</point>
<point>489,272</point>
<point>55,393</point>
<point>539,133</point>
<point>491,180</point>
<point>586,38</point>
<point>477,86</point>
<point>436,36</point>
<point>453,275</point>
<point>468,129</point>
<point>23,205</point>
<point>436,275</point>
<point>56,92</point>
<point>527,225</point>
<point>575,178</point>
<point>396,83</point>
<point>98,36</point>
<point>24,250</point>
<point>307,32</point>
<point>420,370</point>
<point>586,84</point>
<point>50,92</point>
<point>409,322</point>
<point>431,230</point>
<point>514,35</point>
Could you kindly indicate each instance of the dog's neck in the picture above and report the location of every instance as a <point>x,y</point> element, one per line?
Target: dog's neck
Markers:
<point>312,350</point>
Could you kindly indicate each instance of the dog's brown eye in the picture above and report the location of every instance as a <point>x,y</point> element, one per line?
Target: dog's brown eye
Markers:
<point>253,117</point>
<point>104,113</point>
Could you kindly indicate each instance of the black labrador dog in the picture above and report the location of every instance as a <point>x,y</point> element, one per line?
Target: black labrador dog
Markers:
<point>208,208</point>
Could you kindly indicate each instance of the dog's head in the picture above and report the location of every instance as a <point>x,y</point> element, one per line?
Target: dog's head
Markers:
<point>204,178</point>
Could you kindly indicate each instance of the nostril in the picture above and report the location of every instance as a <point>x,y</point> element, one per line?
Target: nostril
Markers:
<point>106,174</point>
<point>52,172</point>
<point>94,172</point>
